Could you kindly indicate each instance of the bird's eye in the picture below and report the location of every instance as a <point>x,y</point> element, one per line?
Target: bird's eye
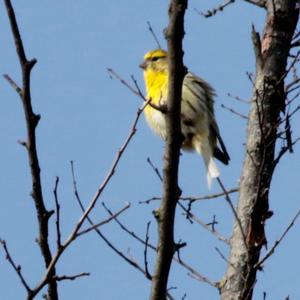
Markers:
<point>155,58</point>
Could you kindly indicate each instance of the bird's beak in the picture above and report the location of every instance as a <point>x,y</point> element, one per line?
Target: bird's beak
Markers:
<point>143,65</point>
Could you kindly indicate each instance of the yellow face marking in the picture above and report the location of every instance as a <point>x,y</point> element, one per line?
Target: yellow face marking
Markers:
<point>155,53</point>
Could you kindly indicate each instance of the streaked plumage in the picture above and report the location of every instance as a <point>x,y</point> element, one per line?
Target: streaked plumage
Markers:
<point>198,124</point>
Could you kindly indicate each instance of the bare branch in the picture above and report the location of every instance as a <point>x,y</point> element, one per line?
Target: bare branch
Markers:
<point>85,216</point>
<point>153,34</point>
<point>57,209</point>
<point>13,84</point>
<point>112,73</point>
<point>155,169</point>
<point>291,66</point>
<point>276,244</point>
<point>209,197</point>
<point>16,267</point>
<point>129,260</point>
<point>71,277</point>
<point>215,10</point>
<point>237,98</point>
<point>203,279</point>
<point>16,33</point>
<point>228,200</point>
<point>97,225</point>
<point>152,247</point>
<point>189,214</point>
<point>222,255</point>
<point>136,91</point>
<point>290,87</point>
<point>145,252</point>
<point>31,122</point>
<point>234,112</point>
<point>193,198</point>
<point>165,216</point>
<point>283,150</point>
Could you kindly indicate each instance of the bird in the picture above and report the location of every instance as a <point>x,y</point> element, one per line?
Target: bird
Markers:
<point>199,128</point>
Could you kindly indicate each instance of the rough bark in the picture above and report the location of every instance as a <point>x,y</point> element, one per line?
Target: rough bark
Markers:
<point>166,213</point>
<point>268,100</point>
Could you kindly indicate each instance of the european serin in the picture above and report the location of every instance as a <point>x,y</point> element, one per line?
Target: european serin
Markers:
<point>198,123</point>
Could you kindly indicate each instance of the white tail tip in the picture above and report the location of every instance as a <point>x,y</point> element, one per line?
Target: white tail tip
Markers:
<point>212,172</point>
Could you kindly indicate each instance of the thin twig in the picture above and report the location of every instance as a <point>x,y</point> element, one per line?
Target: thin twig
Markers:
<point>213,223</point>
<point>228,200</point>
<point>16,267</point>
<point>57,210</point>
<point>194,198</point>
<point>152,247</point>
<point>276,244</point>
<point>291,66</point>
<point>239,99</point>
<point>205,226</point>
<point>283,150</point>
<point>294,88</point>
<point>13,84</point>
<point>209,197</point>
<point>153,34</point>
<point>74,234</point>
<point>223,256</point>
<point>137,91</point>
<point>155,169</point>
<point>234,112</point>
<point>203,279</point>
<point>145,252</point>
<point>71,277</point>
<point>97,225</point>
<point>98,232</point>
<point>130,232</point>
<point>215,10</point>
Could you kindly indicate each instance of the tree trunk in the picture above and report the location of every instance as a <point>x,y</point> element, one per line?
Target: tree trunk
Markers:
<point>268,100</point>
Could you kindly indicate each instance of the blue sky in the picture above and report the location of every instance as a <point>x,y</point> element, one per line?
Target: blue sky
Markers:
<point>86,116</point>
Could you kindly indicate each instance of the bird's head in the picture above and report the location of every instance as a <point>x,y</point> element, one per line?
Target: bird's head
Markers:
<point>156,61</point>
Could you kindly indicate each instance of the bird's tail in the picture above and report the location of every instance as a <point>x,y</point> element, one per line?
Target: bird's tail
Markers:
<point>212,170</point>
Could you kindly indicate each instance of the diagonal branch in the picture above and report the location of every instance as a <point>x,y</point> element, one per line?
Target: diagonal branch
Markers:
<point>99,233</point>
<point>228,200</point>
<point>276,244</point>
<point>178,260</point>
<point>16,267</point>
<point>190,215</point>
<point>85,215</point>
<point>97,225</point>
<point>137,91</point>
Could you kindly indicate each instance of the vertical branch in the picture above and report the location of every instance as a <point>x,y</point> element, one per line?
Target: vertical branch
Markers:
<point>171,192</point>
<point>31,123</point>
<point>268,100</point>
